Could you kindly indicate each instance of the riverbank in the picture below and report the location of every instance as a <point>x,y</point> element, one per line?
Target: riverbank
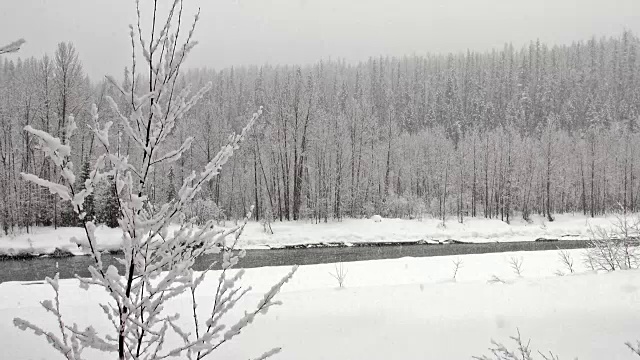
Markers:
<point>349,232</point>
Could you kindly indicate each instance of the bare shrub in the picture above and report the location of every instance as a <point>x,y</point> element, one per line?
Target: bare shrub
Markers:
<point>203,210</point>
<point>614,249</point>
<point>516,265</point>
<point>567,260</point>
<point>457,265</point>
<point>266,226</point>
<point>522,351</point>
<point>588,260</point>
<point>495,280</point>
<point>339,273</point>
<point>267,219</point>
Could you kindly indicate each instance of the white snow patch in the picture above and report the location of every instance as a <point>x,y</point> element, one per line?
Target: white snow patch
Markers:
<point>44,240</point>
<point>404,308</point>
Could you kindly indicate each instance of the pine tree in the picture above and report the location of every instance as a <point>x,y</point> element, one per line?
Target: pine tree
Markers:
<point>89,204</point>
<point>108,211</point>
<point>171,188</point>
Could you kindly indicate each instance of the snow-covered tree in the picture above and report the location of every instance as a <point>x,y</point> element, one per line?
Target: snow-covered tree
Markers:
<point>89,203</point>
<point>171,188</point>
<point>157,261</point>
<point>107,203</point>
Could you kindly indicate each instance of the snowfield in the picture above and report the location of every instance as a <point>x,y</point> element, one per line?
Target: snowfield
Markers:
<point>348,231</point>
<point>407,308</point>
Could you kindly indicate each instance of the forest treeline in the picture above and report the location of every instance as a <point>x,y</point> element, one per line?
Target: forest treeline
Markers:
<point>539,129</point>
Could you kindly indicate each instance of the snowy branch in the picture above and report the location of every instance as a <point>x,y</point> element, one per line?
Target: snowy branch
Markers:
<point>13,47</point>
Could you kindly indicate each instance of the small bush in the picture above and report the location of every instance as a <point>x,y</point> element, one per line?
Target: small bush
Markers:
<point>516,265</point>
<point>614,249</point>
<point>340,274</point>
<point>522,351</point>
<point>202,210</point>
<point>457,265</point>
<point>566,260</point>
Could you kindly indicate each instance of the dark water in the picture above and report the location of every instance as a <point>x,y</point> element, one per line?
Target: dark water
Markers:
<point>38,268</point>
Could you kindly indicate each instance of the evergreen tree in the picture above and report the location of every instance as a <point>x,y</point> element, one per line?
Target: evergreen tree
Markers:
<point>107,211</point>
<point>89,204</point>
<point>171,188</point>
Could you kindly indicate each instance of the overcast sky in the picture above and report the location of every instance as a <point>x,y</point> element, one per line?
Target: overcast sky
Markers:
<point>240,32</point>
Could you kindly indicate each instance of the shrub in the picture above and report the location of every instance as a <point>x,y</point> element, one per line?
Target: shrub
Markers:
<point>202,210</point>
<point>614,249</point>
<point>522,351</point>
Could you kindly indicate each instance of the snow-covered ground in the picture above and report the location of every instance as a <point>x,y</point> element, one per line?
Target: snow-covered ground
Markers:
<point>405,308</point>
<point>46,240</point>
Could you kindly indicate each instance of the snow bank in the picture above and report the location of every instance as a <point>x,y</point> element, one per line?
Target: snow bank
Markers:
<point>472,230</point>
<point>348,231</point>
<point>46,240</point>
<point>394,309</point>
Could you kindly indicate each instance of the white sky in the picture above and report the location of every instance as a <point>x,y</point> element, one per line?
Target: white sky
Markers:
<point>240,32</point>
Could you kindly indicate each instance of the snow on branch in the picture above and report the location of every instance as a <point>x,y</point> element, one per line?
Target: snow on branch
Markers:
<point>175,154</point>
<point>70,342</point>
<point>54,188</point>
<point>51,146</point>
<point>101,133</point>
<point>13,47</point>
<point>269,354</point>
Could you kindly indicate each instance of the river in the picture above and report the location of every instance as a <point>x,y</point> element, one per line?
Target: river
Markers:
<point>38,268</point>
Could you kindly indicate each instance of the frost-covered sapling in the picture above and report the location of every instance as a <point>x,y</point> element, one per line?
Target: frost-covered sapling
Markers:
<point>457,264</point>
<point>604,250</point>
<point>267,219</point>
<point>157,261</point>
<point>516,265</point>
<point>567,260</point>
<point>588,260</point>
<point>339,273</point>
<point>614,249</point>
